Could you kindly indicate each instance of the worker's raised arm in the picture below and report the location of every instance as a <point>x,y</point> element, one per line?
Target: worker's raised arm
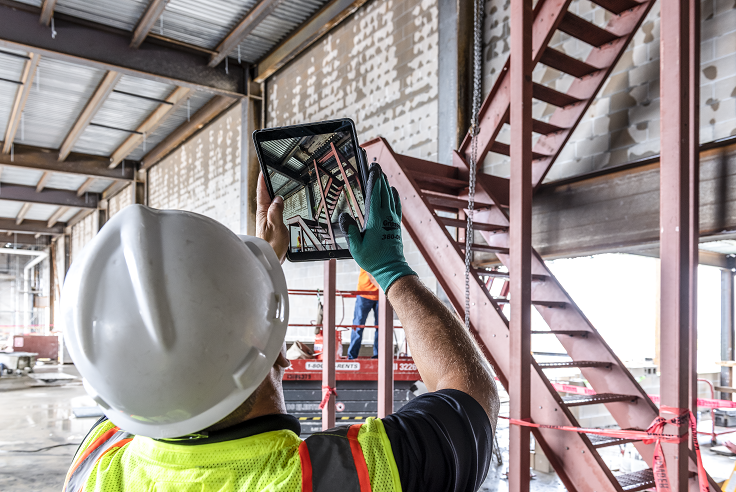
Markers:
<point>445,353</point>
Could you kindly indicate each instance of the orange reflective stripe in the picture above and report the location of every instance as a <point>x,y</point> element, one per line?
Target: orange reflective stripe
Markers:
<point>90,449</point>
<point>360,466</point>
<point>306,467</point>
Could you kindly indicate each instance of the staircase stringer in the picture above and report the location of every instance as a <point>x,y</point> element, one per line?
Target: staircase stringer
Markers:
<point>575,460</point>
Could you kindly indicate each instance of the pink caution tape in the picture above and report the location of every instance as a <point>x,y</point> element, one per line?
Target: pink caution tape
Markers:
<point>654,434</point>
<point>327,392</point>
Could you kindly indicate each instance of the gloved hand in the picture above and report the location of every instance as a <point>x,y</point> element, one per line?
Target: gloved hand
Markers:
<point>378,248</point>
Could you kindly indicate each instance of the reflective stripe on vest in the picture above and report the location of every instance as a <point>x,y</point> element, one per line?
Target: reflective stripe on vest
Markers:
<point>78,474</point>
<point>333,460</point>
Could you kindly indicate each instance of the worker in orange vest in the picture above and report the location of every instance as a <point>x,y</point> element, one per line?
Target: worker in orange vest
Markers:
<point>364,304</point>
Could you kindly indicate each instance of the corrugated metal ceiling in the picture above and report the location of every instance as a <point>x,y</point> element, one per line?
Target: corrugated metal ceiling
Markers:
<point>61,181</point>
<point>123,14</point>
<point>69,214</point>
<point>40,211</point>
<point>8,209</point>
<point>18,176</point>
<point>60,93</point>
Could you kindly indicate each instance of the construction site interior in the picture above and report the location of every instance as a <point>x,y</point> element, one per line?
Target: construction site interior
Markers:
<point>603,138</point>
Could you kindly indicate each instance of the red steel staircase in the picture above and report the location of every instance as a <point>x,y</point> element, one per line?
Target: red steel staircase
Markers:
<point>434,199</point>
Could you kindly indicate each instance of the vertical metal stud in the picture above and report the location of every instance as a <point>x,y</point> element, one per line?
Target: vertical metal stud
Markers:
<point>675,238</point>
<point>328,343</point>
<point>520,241</point>
<point>385,356</point>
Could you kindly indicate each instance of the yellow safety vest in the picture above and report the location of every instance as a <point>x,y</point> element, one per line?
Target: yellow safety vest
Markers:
<point>349,458</point>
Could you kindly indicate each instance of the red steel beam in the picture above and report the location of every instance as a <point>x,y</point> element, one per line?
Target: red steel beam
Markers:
<point>674,220</point>
<point>323,202</point>
<point>520,241</point>
<point>385,356</point>
<point>694,198</point>
<point>328,343</point>
<point>351,195</point>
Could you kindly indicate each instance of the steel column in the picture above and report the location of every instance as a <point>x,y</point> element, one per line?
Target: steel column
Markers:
<point>694,190</point>
<point>250,120</point>
<point>675,239</point>
<point>385,356</point>
<point>727,329</point>
<point>520,241</point>
<point>328,343</point>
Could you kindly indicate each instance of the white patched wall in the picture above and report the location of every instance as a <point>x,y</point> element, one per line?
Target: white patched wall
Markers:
<point>203,175</point>
<point>622,124</point>
<point>379,68</point>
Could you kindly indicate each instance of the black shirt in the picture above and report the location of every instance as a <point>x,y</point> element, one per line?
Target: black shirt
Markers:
<point>441,441</point>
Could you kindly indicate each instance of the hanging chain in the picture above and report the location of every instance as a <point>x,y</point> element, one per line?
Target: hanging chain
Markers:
<point>477,68</point>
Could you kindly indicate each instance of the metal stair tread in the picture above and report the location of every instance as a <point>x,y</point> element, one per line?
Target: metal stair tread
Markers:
<point>478,226</point>
<point>638,480</point>
<point>505,149</point>
<point>574,363</point>
<point>565,63</point>
<point>489,273</point>
<point>572,333</point>
<point>551,304</point>
<point>553,97</point>
<point>585,31</point>
<point>578,400</point>
<point>616,6</point>
<point>484,248</point>
<point>443,199</point>
<point>599,441</point>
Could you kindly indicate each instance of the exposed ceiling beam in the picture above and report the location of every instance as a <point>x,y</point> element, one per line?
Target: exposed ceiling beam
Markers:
<point>24,239</point>
<point>56,216</point>
<point>320,24</point>
<point>198,120</point>
<point>114,189</point>
<point>705,257</point>
<point>85,186</point>
<point>257,14</point>
<point>47,11</point>
<point>20,193</point>
<point>22,213</point>
<point>146,22</point>
<point>109,49</point>
<point>29,71</point>
<point>163,111</point>
<point>90,110</point>
<point>28,157</point>
<point>42,182</point>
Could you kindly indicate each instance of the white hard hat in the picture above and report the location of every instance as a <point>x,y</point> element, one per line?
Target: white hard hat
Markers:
<point>173,320</point>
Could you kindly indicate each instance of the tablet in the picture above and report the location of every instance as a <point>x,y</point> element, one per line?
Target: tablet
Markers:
<point>320,171</point>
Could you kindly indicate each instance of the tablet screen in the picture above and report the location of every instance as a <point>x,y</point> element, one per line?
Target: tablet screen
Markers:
<point>317,175</point>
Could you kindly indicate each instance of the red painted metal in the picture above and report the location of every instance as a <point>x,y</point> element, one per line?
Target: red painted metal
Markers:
<point>385,356</point>
<point>351,195</point>
<point>46,346</point>
<point>573,456</point>
<point>694,190</point>
<point>520,241</point>
<point>360,369</point>
<point>323,203</point>
<point>674,218</point>
<point>328,350</point>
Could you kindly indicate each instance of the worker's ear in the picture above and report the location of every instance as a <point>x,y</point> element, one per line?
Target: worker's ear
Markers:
<point>281,360</point>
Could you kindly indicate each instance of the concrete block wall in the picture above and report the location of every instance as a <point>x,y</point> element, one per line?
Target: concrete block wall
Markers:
<point>82,233</point>
<point>124,198</point>
<point>622,124</point>
<point>203,175</point>
<point>380,68</point>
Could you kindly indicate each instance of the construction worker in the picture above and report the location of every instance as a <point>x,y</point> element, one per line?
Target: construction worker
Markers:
<point>364,304</point>
<point>177,326</point>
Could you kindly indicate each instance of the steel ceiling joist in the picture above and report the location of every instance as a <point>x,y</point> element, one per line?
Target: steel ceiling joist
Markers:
<point>29,71</point>
<point>64,198</point>
<point>109,49</point>
<point>198,120</point>
<point>56,216</point>
<point>28,157</point>
<point>257,14</point>
<point>29,227</point>
<point>22,213</point>
<point>320,24</point>
<point>148,19</point>
<point>47,11</point>
<point>165,109</point>
<point>93,106</point>
<point>42,182</point>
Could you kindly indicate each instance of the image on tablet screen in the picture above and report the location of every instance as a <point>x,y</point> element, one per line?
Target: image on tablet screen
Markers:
<point>317,175</point>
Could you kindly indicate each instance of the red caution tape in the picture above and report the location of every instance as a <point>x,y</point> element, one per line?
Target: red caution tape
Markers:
<point>327,392</point>
<point>654,434</point>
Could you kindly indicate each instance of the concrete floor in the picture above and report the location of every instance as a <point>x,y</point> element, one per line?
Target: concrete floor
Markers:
<point>36,414</point>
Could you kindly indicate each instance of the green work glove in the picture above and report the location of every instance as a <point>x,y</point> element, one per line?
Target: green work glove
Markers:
<point>378,248</point>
